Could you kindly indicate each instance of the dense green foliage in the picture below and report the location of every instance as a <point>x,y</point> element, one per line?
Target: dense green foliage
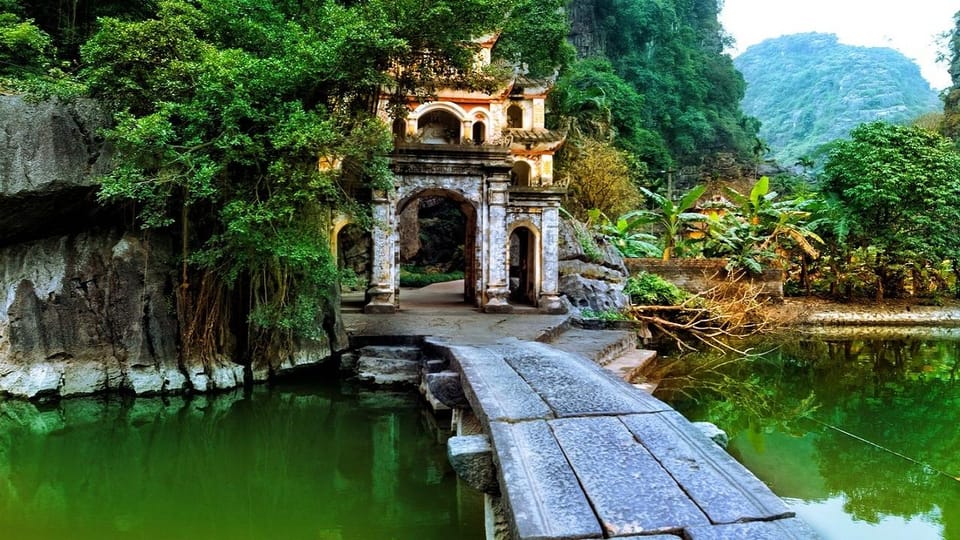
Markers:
<point>668,92</point>
<point>24,48</point>
<point>808,90</point>
<point>951,109</point>
<point>418,276</point>
<point>648,289</point>
<point>240,125</point>
<point>899,195</point>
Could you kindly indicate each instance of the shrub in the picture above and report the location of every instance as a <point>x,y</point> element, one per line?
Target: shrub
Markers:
<point>415,276</point>
<point>652,290</point>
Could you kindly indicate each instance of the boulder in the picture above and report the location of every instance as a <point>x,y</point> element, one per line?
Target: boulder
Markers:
<point>594,280</point>
<point>51,154</point>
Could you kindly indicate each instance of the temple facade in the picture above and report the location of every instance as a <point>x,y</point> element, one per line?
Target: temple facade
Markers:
<point>491,154</point>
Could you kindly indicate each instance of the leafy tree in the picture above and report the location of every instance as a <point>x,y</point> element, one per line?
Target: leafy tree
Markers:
<point>24,47</point>
<point>598,176</point>
<point>593,100</point>
<point>762,229</point>
<point>899,190</point>
<point>224,110</point>
<point>671,52</point>
<point>629,241</point>
<point>533,36</point>
<point>951,98</point>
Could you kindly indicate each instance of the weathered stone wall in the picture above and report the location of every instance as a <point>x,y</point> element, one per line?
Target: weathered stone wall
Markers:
<point>696,275</point>
<point>85,313</point>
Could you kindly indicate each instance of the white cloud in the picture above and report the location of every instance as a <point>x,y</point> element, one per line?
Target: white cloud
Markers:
<point>908,26</point>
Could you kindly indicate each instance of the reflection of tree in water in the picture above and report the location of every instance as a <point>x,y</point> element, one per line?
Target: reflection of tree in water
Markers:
<point>904,396</point>
<point>901,394</point>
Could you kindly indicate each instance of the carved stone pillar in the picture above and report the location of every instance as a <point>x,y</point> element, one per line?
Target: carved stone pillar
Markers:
<point>497,245</point>
<point>381,291</point>
<point>549,280</point>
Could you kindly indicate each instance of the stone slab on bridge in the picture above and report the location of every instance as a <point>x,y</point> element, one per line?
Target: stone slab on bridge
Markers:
<point>581,454</point>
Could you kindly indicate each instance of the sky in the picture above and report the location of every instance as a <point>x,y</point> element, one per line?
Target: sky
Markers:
<point>910,26</point>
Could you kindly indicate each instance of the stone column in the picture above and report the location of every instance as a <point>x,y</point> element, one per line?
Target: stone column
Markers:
<point>497,245</point>
<point>381,291</point>
<point>549,280</point>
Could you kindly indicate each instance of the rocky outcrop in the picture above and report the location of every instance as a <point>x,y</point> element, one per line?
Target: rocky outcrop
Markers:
<point>86,313</point>
<point>593,280</point>
<point>86,307</point>
<point>50,156</point>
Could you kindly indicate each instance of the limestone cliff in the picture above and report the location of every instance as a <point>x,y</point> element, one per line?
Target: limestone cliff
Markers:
<point>86,305</point>
<point>50,155</point>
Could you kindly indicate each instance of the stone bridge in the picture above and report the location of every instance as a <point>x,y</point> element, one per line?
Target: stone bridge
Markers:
<point>565,450</point>
<point>561,447</point>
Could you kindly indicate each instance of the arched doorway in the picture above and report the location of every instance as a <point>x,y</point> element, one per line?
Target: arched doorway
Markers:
<point>515,117</point>
<point>520,175</point>
<point>479,133</point>
<point>354,257</point>
<point>437,234</point>
<point>524,266</point>
<point>439,127</point>
<point>399,129</point>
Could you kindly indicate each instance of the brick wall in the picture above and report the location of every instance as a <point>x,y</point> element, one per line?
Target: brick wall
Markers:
<point>696,275</point>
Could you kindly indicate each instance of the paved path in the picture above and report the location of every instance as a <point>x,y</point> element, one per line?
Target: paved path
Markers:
<point>438,310</point>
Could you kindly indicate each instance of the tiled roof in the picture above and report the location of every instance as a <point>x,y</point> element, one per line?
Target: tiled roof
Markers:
<point>536,135</point>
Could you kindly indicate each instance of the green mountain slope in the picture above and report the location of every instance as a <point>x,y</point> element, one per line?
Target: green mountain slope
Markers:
<point>808,89</point>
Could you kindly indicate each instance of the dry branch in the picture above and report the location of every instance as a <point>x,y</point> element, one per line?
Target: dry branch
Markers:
<point>716,317</point>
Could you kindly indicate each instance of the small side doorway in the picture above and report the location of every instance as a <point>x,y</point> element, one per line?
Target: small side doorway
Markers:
<point>523,266</point>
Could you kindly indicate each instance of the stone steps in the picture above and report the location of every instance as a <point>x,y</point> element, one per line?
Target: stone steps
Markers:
<point>385,365</point>
<point>601,346</point>
<point>615,350</point>
<point>629,365</point>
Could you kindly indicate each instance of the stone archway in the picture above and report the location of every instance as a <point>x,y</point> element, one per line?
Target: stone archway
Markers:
<point>479,132</point>
<point>354,252</point>
<point>439,126</point>
<point>477,178</point>
<point>520,174</point>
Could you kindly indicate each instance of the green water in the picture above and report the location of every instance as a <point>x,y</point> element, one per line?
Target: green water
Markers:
<point>283,463</point>
<point>902,395</point>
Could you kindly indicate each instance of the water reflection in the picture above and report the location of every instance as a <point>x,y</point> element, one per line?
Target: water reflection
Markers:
<point>903,395</point>
<point>324,463</point>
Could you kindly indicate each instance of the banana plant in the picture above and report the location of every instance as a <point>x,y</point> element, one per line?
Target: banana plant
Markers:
<point>628,241</point>
<point>670,217</point>
<point>769,222</point>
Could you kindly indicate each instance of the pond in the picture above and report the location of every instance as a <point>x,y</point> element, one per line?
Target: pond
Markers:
<point>860,436</point>
<point>321,461</point>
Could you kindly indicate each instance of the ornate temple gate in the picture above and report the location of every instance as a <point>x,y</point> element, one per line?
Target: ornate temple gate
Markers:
<point>478,177</point>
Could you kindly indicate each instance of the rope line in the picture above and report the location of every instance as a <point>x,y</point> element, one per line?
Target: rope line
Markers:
<point>885,449</point>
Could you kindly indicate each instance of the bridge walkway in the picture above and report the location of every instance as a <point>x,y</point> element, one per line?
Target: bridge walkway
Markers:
<point>581,454</point>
